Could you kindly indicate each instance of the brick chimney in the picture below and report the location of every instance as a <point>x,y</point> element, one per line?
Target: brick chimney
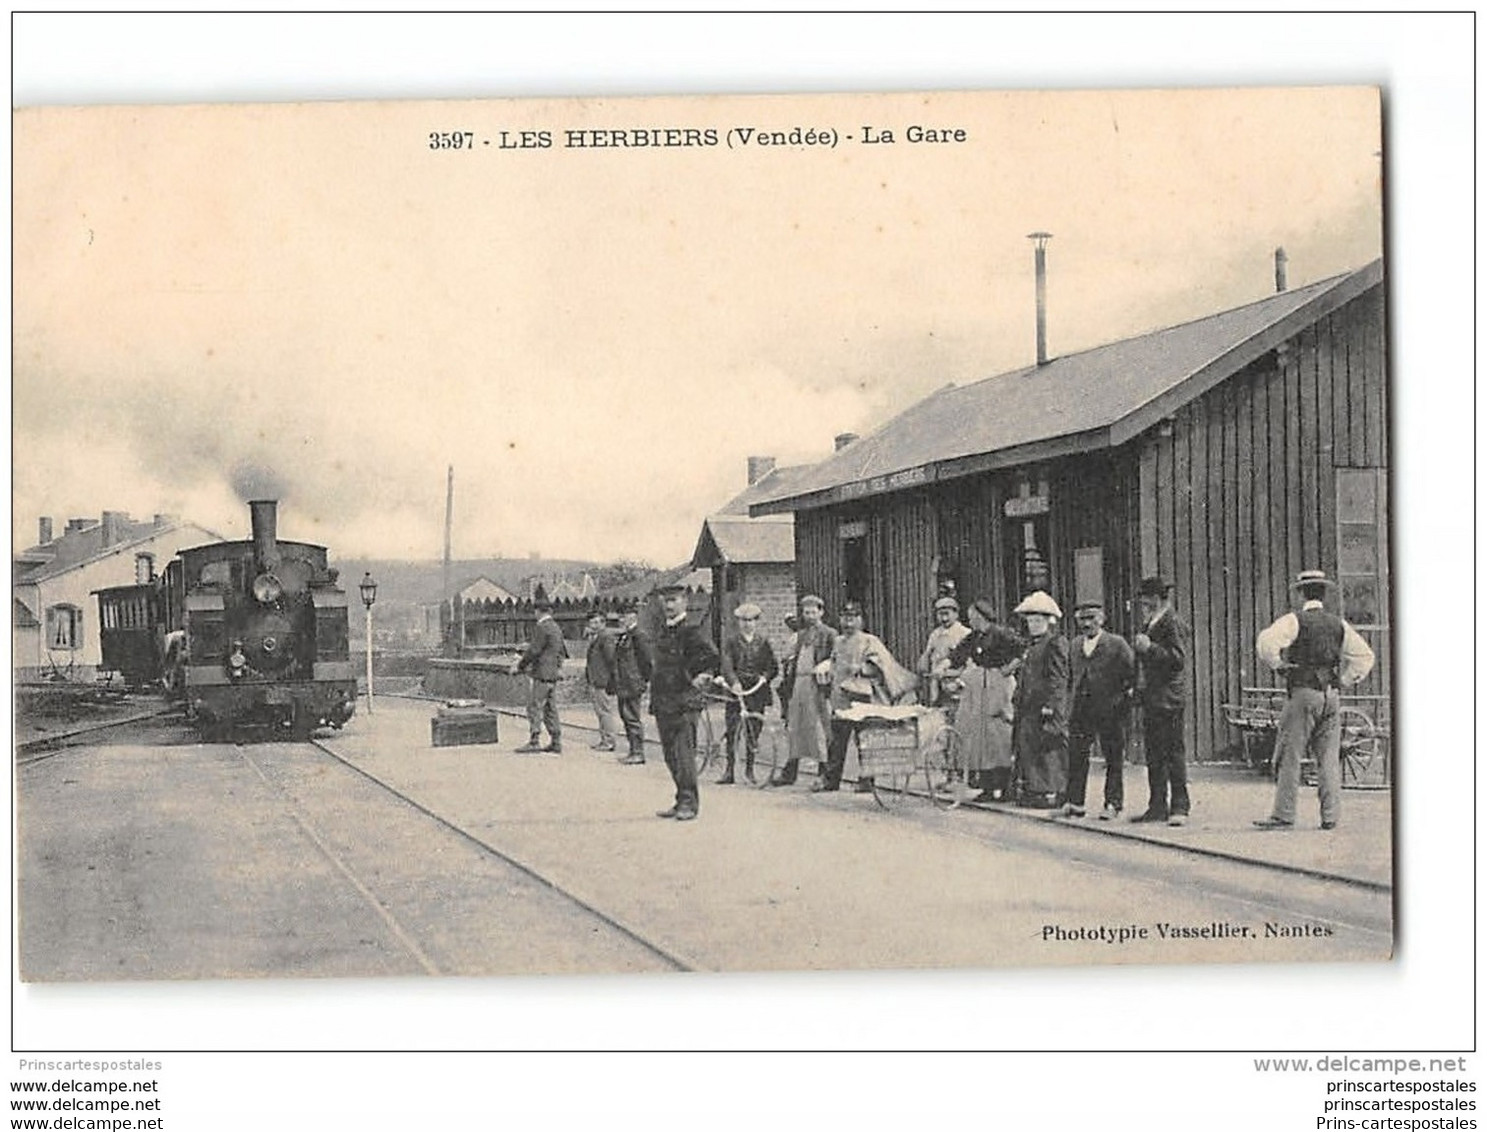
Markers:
<point>44,529</point>
<point>759,467</point>
<point>74,525</point>
<point>164,520</point>
<point>1280,270</point>
<point>843,439</point>
<point>113,526</point>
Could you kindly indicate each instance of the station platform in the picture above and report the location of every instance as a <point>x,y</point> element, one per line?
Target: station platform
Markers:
<point>1226,800</point>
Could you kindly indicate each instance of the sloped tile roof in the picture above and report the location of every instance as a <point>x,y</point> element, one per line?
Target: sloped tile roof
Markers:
<point>75,548</point>
<point>738,539</point>
<point>776,482</point>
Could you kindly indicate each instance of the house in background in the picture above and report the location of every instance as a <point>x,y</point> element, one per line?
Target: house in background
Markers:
<point>749,558</point>
<point>54,615</point>
<point>483,589</point>
<point>1225,454</point>
<point>558,587</point>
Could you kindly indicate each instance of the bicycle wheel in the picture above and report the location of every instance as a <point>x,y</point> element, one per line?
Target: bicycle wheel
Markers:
<point>889,774</point>
<point>770,757</point>
<point>941,764</point>
<point>709,740</point>
<point>1359,748</point>
<point>891,784</point>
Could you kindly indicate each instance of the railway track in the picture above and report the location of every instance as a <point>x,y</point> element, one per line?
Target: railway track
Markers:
<point>308,789</point>
<point>42,748</point>
<point>666,955</point>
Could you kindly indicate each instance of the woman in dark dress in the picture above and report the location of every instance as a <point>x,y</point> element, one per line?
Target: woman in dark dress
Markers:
<point>989,657</point>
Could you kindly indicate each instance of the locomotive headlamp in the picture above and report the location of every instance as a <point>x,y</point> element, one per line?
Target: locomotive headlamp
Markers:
<point>267,589</point>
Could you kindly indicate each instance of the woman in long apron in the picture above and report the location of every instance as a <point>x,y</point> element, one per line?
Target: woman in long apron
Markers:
<point>983,721</point>
<point>806,722</point>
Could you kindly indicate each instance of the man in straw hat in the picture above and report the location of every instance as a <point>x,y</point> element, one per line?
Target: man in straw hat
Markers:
<point>1040,733</point>
<point>1319,654</point>
<point>1162,657</point>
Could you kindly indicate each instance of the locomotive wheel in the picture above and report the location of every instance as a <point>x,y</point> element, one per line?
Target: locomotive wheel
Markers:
<point>301,724</point>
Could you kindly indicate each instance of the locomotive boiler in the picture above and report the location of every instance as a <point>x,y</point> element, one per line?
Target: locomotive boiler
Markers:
<point>250,632</point>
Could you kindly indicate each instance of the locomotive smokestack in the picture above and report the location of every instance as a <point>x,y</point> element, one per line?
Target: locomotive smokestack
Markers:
<point>265,513</point>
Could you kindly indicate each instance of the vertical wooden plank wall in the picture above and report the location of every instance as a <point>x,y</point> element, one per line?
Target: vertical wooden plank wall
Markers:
<point>1244,494</point>
<point>905,585</point>
<point>818,566</point>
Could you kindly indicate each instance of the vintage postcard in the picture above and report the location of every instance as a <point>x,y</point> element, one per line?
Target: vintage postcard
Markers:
<point>731,534</point>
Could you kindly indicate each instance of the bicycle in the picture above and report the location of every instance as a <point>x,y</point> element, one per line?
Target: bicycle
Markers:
<point>712,743</point>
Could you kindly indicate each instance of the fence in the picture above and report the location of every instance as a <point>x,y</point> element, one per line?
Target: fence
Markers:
<point>479,628</point>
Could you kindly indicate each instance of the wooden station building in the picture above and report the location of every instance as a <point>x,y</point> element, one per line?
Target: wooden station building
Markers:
<point>1224,454</point>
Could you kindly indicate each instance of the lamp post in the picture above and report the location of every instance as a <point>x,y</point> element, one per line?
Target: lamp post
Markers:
<point>368,597</point>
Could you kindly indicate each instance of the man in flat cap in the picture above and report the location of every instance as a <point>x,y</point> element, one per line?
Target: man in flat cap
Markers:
<point>599,672</point>
<point>1162,657</point>
<point>749,668</point>
<point>1319,654</point>
<point>684,662</point>
<point>1040,733</point>
<point>632,672</point>
<point>543,659</point>
<point>941,677</point>
<point>1102,678</point>
<point>857,666</point>
<point>809,712</point>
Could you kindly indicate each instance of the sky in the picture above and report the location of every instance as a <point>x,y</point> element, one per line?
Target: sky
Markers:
<point>311,302</point>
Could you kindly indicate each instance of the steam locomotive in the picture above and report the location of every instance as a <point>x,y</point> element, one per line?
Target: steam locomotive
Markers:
<point>251,632</point>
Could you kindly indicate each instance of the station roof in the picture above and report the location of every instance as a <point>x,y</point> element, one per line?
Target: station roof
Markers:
<point>1093,399</point>
<point>738,539</point>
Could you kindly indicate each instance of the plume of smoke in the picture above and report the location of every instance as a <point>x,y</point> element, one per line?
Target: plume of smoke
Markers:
<point>251,480</point>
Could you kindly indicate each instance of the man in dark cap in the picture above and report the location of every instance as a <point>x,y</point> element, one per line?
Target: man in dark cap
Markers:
<point>857,662</point>
<point>940,676</point>
<point>1102,676</point>
<point>632,671</point>
<point>599,672</point>
<point>685,662</point>
<point>749,667</point>
<point>544,661</point>
<point>1162,655</point>
<point>1319,654</point>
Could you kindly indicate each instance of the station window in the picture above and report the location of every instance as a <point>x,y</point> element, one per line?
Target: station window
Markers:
<point>64,627</point>
<point>1360,567</point>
